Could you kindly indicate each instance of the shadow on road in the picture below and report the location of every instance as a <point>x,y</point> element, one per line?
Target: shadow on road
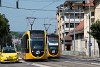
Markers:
<point>10,62</point>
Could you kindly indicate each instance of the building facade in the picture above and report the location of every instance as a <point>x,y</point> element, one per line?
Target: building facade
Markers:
<point>69,16</point>
<point>90,17</point>
<point>74,25</point>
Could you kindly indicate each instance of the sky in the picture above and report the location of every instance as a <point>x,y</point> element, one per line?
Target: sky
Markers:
<point>17,17</point>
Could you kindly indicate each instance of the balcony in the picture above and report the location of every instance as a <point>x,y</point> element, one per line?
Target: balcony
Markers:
<point>92,17</point>
<point>72,11</point>
<point>72,20</point>
<point>67,30</point>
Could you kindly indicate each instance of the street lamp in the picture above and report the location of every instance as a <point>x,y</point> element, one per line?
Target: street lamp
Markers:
<point>46,28</point>
<point>31,21</point>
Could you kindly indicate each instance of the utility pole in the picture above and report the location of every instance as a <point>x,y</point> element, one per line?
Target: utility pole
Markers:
<point>31,21</point>
<point>17,4</point>
<point>89,23</point>
<point>69,22</point>
<point>74,30</point>
<point>0,3</point>
<point>88,1</point>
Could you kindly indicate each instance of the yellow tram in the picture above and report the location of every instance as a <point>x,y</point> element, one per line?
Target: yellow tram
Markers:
<point>34,45</point>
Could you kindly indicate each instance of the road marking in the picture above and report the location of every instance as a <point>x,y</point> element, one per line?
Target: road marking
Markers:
<point>21,61</point>
<point>96,63</point>
<point>40,65</point>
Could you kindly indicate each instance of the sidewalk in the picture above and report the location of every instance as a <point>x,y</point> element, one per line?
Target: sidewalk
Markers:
<point>80,55</point>
<point>84,58</point>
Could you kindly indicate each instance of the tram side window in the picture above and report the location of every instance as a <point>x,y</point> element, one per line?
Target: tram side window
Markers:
<point>0,48</point>
<point>46,40</point>
<point>22,45</point>
<point>25,44</point>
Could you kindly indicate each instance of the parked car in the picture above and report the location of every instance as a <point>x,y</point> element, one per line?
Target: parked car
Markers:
<point>8,54</point>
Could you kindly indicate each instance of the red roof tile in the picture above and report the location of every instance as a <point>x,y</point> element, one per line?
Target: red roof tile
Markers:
<point>80,27</point>
<point>68,37</point>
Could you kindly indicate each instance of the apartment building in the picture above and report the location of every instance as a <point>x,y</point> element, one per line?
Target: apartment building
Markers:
<point>77,22</point>
<point>69,15</point>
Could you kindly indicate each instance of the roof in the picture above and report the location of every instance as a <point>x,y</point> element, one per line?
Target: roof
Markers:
<point>91,3</point>
<point>78,29</point>
<point>68,37</point>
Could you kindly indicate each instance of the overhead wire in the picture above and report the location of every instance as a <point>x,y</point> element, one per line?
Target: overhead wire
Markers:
<point>42,0</point>
<point>46,6</point>
<point>41,9</point>
<point>28,9</point>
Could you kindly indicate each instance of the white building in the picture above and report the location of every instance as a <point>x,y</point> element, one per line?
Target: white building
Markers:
<point>66,18</point>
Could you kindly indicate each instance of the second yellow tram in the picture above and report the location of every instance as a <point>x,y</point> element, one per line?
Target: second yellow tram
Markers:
<point>53,45</point>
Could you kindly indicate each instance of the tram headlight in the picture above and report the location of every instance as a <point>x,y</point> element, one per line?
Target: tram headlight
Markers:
<point>37,52</point>
<point>53,51</point>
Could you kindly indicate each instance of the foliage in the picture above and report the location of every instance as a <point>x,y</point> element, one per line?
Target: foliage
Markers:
<point>95,30</point>
<point>16,34</point>
<point>4,28</point>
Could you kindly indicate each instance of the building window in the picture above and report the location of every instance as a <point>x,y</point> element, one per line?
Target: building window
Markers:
<point>66,33</point>
<point>92,13</point>
<point>67,25</point>
<point>58,22</point>
<point>76,36</point>
<point>81,36</point>
<point>71,25</point>
<point>63,26</point>
<point>86,44</point>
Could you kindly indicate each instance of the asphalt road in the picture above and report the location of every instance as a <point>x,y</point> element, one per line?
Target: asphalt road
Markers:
<point>64,61</point>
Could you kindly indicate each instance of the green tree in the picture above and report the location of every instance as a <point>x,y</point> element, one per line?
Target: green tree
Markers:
<point>16,34</point>
<point>4,28</point>
<point>95,32</point>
